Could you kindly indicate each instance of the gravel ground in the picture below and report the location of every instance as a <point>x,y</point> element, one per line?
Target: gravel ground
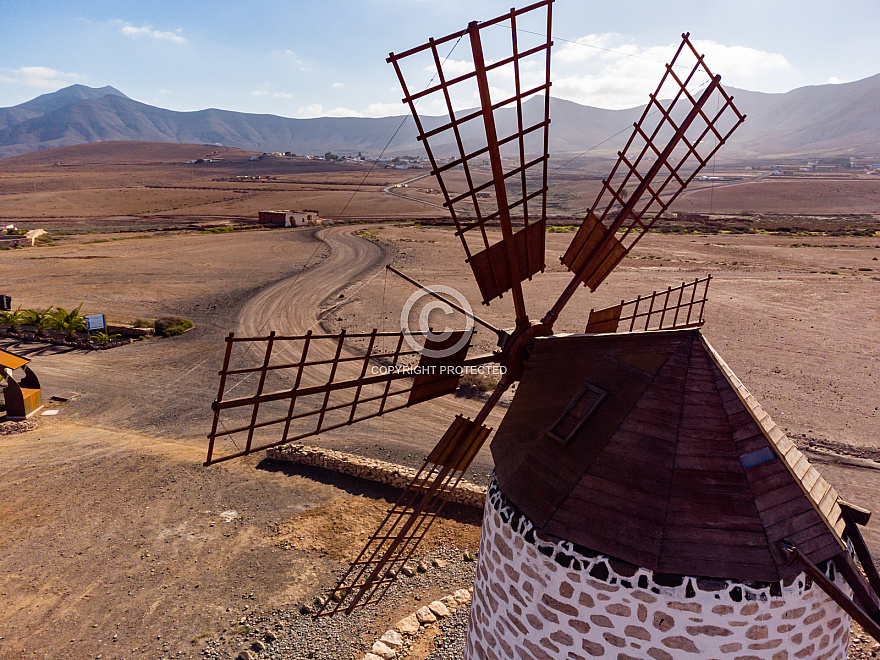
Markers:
<point>862,646</point>
<point>8,428</point>
<point>293,635</point>
<point>449,644</point>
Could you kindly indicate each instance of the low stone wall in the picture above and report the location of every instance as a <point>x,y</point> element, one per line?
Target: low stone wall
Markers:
<point>541,598</point>
<point>15,241</point>
<point>370,469</point>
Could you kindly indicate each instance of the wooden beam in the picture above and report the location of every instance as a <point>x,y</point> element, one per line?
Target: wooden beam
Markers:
<point>845,602</point>
<point>854,534</point>
<point>522,319</point>
<point>856,514</point>
<point>862,591</point>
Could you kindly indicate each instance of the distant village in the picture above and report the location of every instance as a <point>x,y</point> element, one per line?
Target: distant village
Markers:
<point>397,163</point>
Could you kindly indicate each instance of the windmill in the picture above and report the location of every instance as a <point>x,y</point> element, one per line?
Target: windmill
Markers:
<point>639,409</point>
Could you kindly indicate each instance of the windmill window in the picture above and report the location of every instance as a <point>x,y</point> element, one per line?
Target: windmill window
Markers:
<point>576,413</point>
<point>759,457</point>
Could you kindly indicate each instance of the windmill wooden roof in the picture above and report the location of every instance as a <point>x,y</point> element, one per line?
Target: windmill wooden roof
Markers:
<point>647,447</point>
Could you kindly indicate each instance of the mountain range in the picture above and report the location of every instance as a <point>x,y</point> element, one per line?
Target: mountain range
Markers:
<point>820,120</point>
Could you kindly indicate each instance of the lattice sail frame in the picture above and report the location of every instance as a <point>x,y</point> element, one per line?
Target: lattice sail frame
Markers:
<point>683,123</point>
<point>512,188</point>
<point>673,309</point>
<point>312,383</point>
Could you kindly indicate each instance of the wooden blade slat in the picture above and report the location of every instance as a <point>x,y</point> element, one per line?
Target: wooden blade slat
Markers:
<point>311,384</point>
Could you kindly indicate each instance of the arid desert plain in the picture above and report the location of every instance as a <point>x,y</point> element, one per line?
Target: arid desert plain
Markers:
<point>118,543</point>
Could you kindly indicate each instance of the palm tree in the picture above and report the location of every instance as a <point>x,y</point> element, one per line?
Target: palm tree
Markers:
<point>13,319</point>
<point>68,322</point>
<point>39,319</point>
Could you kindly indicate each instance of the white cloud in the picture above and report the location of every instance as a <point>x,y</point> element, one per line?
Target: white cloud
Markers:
<point>317,110</point>
<point>605,70</point>
<point>343,112</point>
<point>312,110</point>
<point>452,68</point>
<point>834,80</point>
<point>282,95</point>
<point>294,57</point>
<point>44,77</point>
<point>164,91</point>
<point>130,30</point>
<point>385,109</point>
<point>259,92</point>
<point>337,85</point>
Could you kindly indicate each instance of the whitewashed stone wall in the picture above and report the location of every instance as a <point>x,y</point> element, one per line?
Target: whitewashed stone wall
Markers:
<point>543,599</point>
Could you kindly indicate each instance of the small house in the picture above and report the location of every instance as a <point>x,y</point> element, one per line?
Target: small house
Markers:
<point>289,218</point>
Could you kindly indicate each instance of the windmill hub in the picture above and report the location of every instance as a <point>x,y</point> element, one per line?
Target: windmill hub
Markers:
<point>516,347</point>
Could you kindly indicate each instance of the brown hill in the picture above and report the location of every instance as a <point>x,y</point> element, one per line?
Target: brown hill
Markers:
<point>124,152</point>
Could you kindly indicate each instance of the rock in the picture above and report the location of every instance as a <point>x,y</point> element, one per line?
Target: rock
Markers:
<point>424,615</point>
<point>462,596</point>
<point>449,601</point>
<point>408,625</point>
<point>271,636</point>
<point>383,650</point>
<point>305,609</point>
<point>438,563</point>
<point>439,609</point>
<point>245,655</point>
<point>392,639</point>
<point>258,646</point>
<point>408,571</point>
<point>372,656</point>
<point>422,567</point>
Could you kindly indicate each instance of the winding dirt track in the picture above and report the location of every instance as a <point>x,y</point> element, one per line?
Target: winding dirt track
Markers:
<point>291,306</point>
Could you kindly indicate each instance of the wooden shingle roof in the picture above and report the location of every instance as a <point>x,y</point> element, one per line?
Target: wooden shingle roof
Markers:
<point>676,469</point>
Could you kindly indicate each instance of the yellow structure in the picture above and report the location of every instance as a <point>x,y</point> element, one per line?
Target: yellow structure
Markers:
<point>23,398</point>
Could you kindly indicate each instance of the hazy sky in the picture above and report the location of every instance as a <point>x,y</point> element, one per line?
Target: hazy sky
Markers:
<point>306,59</point>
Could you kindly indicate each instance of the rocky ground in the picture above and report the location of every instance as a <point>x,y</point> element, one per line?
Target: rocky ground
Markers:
<point>287,634</point>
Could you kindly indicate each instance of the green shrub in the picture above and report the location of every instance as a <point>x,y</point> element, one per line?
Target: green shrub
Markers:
<point>68,322</point>
<point>475,385</point>
<point>40,319</point>
<point>143,323</point>
<point>104,338</point>
<point>172,326</point>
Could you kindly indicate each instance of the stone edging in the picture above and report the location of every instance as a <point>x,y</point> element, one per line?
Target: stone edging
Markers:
<point>386,647</point>
<point>370,469</point>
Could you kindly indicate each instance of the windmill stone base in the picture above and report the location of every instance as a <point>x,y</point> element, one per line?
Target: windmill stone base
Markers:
<point>542,598</point>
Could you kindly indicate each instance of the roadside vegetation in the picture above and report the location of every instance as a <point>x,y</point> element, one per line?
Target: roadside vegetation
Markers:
<point>57,325</point>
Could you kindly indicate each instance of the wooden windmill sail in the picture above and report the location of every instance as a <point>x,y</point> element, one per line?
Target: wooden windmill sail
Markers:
<point>327,378</point>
